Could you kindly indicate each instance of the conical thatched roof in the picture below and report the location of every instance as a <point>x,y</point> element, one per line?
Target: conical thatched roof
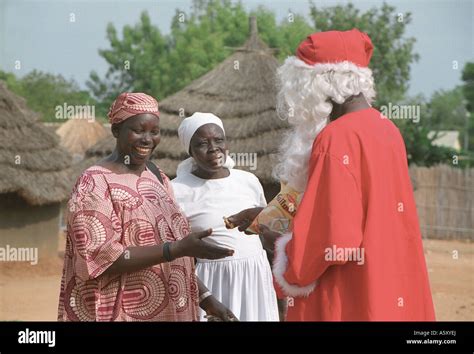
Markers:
<point>242,92</point>
<point>78,135</point>
<point>32,163</point>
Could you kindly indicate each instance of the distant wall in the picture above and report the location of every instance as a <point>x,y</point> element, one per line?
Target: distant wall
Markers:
<point>23,225</point>
<point>445,201</point>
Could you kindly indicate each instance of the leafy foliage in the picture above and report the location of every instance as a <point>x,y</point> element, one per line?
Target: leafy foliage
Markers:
<point>44,91</point>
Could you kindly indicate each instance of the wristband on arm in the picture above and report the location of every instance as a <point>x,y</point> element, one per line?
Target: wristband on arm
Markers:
<point>204,296</point>
<point>166,252</point>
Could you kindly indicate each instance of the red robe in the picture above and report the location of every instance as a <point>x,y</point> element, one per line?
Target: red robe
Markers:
<point>355,253</point>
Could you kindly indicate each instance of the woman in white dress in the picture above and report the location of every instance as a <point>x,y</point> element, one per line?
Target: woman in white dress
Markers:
<point>207,189</point>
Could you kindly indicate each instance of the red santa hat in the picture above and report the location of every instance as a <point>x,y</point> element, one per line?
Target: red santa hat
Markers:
<point>324,49</point>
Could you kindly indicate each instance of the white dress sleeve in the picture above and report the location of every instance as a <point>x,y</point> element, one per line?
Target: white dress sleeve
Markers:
<point>263,201</point>
<point>260,194</point>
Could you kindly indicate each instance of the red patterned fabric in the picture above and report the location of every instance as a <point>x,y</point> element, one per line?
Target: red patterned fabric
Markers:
<point>108,213</point>
<point>129,104</point>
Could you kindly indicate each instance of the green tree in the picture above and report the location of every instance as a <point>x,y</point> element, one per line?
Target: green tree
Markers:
<point>12,82</point>
<point>145,60</point>
<point>292,31</point>
<point>44,91</point>
<point>443,111</point>
<point>284,36</point>
<point>468,87</point>
<point>446,110</point>
<point>419,138</point>
<point>204,37</point>
<point>420,148</point>
<point>135,62</point>
<point>468,90</point>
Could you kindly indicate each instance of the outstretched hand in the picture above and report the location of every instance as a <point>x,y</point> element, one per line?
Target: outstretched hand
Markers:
<point>193,245</point>
<point>244,218</point>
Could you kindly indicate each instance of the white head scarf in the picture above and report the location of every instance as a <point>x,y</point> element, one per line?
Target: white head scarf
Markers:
<point>187,129</point>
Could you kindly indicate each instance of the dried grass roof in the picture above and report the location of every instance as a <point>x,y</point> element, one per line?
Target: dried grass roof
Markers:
<point>32,164</point>
<point>78,135</point>
<point>242,92</point>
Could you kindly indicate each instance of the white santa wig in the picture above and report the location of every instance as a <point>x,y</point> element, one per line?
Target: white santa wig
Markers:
<point>304,99</point>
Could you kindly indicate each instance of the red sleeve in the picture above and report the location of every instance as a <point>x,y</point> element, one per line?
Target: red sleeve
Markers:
<point>330,214</point>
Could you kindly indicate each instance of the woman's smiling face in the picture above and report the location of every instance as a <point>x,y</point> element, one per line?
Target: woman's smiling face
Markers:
<point>137,137</point>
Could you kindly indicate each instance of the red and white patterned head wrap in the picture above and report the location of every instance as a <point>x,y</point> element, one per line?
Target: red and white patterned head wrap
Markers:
<point>129,104</point>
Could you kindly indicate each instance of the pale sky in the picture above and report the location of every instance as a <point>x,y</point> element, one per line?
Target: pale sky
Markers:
<point>39,34</point>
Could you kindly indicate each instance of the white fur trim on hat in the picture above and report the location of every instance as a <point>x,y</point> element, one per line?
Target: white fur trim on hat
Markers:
<point>321,68</point>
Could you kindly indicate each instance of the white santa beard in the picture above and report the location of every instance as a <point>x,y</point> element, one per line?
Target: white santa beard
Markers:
<point>305,99</point>
<point>295,155</point>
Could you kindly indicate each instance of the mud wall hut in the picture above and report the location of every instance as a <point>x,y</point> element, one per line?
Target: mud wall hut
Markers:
<point>34,178</point>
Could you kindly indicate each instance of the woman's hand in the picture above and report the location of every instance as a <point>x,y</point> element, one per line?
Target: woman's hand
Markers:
<point>215,308</point>
<point>194,246</point>
<point>268,238</point>
<point>244,218</point>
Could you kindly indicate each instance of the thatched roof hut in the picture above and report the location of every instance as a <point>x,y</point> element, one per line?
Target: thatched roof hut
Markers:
<point>78,135</point>
<point>32,164</point>
<point>242,92</point>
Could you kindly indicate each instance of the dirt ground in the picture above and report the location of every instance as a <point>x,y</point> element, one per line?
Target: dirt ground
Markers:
<point>30,293</point>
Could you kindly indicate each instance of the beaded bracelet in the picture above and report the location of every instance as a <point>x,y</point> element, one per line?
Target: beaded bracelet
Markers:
<point>204,296</point>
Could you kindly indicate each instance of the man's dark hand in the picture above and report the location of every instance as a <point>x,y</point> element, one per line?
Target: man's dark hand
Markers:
<point>244,218</point>
<point>268,238</point>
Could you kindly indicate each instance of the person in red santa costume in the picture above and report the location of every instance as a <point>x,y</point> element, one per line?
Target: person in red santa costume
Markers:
<point>354,252</point>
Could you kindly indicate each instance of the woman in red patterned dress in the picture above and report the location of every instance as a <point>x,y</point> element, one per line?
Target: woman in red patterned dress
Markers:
<point>129,248</point>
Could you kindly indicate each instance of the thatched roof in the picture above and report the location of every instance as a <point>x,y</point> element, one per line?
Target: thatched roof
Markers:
<point>78,135</point>
<point>242,92</point>
<point>32,164</point>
